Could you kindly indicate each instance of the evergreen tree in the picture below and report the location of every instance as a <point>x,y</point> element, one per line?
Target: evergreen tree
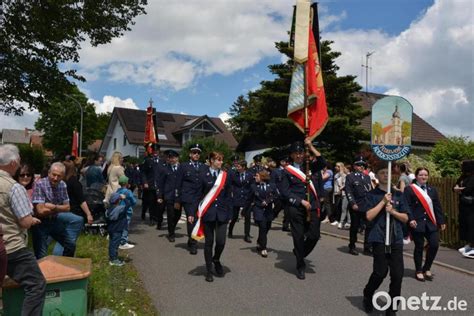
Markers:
<point>268,122</point>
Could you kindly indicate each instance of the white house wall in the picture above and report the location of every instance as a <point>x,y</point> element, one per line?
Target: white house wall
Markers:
<point>127,150</point>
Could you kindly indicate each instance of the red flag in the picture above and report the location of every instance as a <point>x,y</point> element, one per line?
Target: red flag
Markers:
<point>150,134</point>
<point>75,143</point>
<point>317,108</point>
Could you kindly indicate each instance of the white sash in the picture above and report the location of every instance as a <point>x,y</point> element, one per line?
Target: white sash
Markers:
<point>425,200</point>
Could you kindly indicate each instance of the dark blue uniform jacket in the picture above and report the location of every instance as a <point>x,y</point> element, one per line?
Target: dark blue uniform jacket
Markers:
<point>418,213</point>
<point>221,208</point>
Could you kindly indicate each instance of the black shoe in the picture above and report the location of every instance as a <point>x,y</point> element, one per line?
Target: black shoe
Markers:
<point>209,277</point>
<point>171,238</point>
<point>219,269</point>
<point>247,239</point>
<point>193,251</point>
<point>159,226</point>
<point>421,279</point>
<point>353,252</point>
<point>300,274</point>
<point>286,229</point>
<point>367,252</point>
<point>428,277</point>
<point>368,306</point>
<point>143,216</point>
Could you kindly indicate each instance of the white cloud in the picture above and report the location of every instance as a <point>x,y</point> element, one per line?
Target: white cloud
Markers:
<point>176,42</point>
<point>224,117</point>
<point>27,120</point>
<point>109,102</point>
<point>430,63</point>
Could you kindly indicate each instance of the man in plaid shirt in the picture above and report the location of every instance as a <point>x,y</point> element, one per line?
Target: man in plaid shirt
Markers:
<point>50,198</point>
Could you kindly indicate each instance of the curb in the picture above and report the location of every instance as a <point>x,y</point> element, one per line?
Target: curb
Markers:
<point>441,264</point>
<point>438,263</point>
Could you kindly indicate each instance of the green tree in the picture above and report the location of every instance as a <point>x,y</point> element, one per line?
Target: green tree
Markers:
<point>40,40</point>
<point>377,131</point>
<point>209,144</point>
<point>59,120</point>
<point>33,156</point>
<point>406,129</point>
<point>239,112</point>
<point>448,154</point>
<point>266,119</point>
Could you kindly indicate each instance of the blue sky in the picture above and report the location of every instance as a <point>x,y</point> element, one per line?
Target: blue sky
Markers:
<point>198,56</point>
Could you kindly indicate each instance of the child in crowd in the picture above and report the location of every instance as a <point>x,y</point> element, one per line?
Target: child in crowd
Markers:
<point>132,201</point>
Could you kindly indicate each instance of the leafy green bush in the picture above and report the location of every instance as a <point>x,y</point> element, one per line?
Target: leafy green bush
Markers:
<point>449,153</point>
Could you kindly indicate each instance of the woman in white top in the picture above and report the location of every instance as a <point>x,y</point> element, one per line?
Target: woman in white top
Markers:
<point>340,194</point>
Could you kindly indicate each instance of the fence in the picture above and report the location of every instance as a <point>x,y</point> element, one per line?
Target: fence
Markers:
<point>449,203</point>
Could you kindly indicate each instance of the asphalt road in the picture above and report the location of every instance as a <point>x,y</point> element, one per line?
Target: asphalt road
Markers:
<point>254,285</point>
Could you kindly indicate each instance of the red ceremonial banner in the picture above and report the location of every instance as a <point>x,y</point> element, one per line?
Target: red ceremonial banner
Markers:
<point>75,144</point>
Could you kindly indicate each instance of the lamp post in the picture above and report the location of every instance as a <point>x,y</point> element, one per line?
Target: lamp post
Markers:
<point>82,118</point>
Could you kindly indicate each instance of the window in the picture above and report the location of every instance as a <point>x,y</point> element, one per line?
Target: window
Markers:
<point>124,140</point>
<point>115,143</point>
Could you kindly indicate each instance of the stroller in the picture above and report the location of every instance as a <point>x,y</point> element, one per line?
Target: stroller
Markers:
<point>95,200</point>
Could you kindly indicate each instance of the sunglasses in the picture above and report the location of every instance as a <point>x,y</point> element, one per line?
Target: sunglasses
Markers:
<point>196,152</point>
<point>25,175</point>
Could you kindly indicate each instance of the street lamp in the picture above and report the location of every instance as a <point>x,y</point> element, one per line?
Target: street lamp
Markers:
<point>82,118</point>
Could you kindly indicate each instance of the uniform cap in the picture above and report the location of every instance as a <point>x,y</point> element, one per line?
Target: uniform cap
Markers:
<point>296,147</point>
<point>197,147</point>
<point>172,153</point>
<point>257,158</point>
<point>359,160</point>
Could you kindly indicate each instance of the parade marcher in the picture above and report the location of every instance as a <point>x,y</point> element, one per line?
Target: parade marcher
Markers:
<point>241,181</point>
<point>215,211</point>
<point>425,218</point>
<point>294,189</point>
<point>380,204</point>
<point>16,217</point>
<point>153,170</point>
<point>276,177</point>
<point>133,175</point>
<point>189,189</point>
<point>357,186</point>
<point>465,188</point>
<point>257,165</point>
<point>264,194</point>
<point>173,209</point>
<point>49,199</point>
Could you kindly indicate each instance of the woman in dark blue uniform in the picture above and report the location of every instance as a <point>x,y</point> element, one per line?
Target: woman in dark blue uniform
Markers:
<point>241,180</point>
<point>217,216</point>
<point>379,203</point>
<point>424,221</point>
<point>264,194</point>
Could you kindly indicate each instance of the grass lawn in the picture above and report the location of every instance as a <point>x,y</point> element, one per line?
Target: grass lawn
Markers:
<point>116,288</point>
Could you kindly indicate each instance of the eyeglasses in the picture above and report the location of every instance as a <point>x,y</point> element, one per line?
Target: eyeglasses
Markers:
<point>25,175</point>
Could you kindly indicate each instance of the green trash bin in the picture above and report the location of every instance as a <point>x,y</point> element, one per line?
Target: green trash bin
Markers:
<point>66,290</point>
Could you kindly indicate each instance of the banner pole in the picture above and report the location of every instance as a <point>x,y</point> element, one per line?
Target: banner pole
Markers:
<point>387,216</point>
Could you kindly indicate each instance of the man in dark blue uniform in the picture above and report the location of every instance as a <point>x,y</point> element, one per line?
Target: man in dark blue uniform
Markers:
<point>295,192</point>
<point>357,186</point>
<point>153,171</point>
<point>257,165</point>
<point>173,210</point>
<point>276,177</point>
<point>189,189</point>
<point>241,181</point>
